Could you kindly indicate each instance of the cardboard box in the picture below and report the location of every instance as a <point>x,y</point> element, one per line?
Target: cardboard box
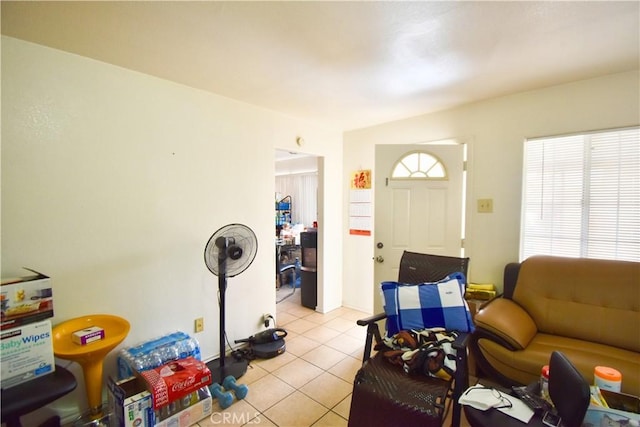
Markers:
<point>26,353</point>
<point>190,415</point>
<point>599,416</point>
<point>623,410</point>
<point>176,379</point>
<point>26,299</point>
<point>130,403</point>
<point>87,335</point>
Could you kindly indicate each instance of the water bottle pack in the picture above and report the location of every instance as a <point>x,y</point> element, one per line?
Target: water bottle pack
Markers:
<point>156,352</point>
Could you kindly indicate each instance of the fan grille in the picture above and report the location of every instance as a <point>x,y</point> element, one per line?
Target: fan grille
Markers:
<point>239,239</point>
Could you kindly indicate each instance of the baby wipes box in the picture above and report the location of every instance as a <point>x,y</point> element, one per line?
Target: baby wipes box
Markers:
<point>26,353</point>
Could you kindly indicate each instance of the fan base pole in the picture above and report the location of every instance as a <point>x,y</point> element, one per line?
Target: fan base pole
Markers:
<point>234,367</point>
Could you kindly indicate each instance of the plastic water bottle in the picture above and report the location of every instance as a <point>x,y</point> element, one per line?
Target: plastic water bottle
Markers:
<point>169,353</point>
<point>174,407</point>
<point>544,382</point>
<point>190,399</point>
<point>154,360</point>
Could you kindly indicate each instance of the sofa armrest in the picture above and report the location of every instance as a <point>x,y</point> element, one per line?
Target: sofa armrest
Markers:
<point>508,321</point>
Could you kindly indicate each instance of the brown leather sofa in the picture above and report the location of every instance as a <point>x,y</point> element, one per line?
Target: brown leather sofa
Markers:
<point>589,309</point>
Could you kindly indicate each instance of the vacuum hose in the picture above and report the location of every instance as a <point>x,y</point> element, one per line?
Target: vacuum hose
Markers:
<point>270,335</point>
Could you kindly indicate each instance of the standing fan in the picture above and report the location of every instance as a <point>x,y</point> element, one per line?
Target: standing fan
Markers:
<point>229,252</point>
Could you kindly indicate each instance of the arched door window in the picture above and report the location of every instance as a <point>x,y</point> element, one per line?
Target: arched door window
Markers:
<point>419,165</point>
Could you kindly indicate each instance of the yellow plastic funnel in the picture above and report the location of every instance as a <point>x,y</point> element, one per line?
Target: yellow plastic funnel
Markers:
<point>90,356</point>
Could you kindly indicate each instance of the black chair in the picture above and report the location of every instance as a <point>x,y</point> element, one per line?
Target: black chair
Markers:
<point>568,389</point>
<point>31,395</point>
<point>286,270</point>
<point>383,394</point>
<point>285,265</point>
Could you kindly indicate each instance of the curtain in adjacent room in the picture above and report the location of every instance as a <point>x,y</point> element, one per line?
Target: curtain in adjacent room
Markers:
<point>303,189</point>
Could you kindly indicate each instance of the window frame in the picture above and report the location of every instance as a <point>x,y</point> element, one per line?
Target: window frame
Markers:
<point>601,161</point>
<point>438,161</point>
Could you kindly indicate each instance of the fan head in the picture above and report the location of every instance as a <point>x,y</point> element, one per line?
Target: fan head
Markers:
<point>236,244</point>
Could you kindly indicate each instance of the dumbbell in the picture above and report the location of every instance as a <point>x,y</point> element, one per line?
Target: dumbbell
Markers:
<point>225,398</point>
<point>241,390</point>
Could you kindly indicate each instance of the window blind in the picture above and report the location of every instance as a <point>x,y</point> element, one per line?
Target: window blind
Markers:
<point>581,195</point>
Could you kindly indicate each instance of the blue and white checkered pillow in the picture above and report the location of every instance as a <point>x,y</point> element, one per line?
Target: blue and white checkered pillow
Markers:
<point>427,305</point>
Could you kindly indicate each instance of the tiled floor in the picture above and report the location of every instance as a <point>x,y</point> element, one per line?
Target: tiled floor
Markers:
<point>311,383</point>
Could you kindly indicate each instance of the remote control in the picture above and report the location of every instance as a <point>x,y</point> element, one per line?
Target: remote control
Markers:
<point>533,401</point>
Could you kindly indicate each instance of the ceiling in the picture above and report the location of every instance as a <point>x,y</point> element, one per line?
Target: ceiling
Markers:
<point>346,64</point>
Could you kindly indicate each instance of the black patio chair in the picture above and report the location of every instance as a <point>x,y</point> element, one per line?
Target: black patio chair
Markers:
<point>383,394</point>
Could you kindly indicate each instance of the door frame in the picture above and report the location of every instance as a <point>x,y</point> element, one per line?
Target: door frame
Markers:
<point>466,143</point>
<point>319,161</point>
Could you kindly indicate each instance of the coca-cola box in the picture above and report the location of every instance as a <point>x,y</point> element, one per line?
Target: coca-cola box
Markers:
<point>176,379</point>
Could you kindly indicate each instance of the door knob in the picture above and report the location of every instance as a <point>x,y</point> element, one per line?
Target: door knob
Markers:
<point>379,259</point>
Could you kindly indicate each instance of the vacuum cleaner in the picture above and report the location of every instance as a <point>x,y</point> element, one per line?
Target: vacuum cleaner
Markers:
<point>266,344</point>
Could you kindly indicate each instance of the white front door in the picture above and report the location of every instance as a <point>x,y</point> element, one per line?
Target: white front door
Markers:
<point>415,214</point>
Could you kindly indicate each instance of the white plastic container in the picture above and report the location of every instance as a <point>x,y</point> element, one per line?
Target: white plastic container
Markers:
<point>607,378</point>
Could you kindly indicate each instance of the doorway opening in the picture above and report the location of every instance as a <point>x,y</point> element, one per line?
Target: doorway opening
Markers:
<point>296,227</point>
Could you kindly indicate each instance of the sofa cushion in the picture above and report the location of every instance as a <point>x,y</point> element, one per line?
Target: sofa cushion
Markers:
<point>589,299</point>
<point>427,305</point>
<point>524,366</point>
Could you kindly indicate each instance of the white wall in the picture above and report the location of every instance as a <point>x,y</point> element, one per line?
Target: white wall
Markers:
<point>495,130</point>
<point>299,165</point>
<point>113,181</point>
